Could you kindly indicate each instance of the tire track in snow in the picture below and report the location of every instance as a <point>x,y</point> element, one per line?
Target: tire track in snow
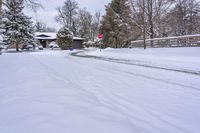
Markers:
<point>127,107</point>
<point>98,96</point>
<point>135,63</point>
<point>76,54</point>
<point>162,80</point>
<point>132,112</point>
<point>59,77</point>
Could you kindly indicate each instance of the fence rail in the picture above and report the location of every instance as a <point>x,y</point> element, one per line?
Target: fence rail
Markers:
<point>177,41</point>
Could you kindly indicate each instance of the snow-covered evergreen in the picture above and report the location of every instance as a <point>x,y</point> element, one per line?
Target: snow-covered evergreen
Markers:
<point>116,23</point>
<point>18,26</point>
<point>65,38</point>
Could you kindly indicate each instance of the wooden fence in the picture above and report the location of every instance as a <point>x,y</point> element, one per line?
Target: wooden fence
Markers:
<point>177,41</point>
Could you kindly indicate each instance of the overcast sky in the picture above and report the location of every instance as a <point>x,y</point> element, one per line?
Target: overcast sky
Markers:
<point>48,14</point>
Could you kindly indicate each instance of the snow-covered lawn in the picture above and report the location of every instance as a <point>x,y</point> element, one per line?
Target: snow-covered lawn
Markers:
<point>186,59</point>
<point>53,92</point>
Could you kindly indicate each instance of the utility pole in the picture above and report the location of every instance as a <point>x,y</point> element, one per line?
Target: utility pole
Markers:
<point>144,25</point>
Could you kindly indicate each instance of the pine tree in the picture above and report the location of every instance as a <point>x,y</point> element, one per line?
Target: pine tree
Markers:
<point>116,24</point>
<point>18,27</point>
<point>108,28</point>
<point>65,38</point>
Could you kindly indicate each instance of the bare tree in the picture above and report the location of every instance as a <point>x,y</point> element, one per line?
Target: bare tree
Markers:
<point>152,12</point>
<point>42,27</point>
<point>96,24</point>
<point>85,24</point>
<point>184,18</point>
<point>33,4</point>
<point>88,24</point>
<point>67,14</point>
<point>80,21</point>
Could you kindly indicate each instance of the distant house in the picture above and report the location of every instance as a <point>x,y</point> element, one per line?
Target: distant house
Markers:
<point>45,38</point>
<point>77,43</point>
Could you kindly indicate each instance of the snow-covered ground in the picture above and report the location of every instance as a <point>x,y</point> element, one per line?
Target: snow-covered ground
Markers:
<point>185,59</point>
<point>51,92</point>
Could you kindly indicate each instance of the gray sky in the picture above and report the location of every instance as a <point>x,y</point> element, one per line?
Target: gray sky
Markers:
<point>48,14</point>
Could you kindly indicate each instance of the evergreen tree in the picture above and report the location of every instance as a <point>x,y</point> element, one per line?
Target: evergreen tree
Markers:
<point>18,27</point>
<point>64,38</point>
<point>116,24</point>
<point>108,28</point>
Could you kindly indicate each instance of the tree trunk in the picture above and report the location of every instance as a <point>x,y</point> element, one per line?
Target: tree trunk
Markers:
<point>1,3</point>
<point>150,18</point>
<point>17,47</point>
<point>144,25</point>
<point>116,42</point>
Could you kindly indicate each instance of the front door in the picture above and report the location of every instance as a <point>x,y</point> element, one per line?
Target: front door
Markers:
<point>43,43</point>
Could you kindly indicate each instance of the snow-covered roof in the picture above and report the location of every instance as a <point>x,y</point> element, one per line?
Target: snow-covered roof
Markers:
<point>45,35</point>
<point>78,38</point>
<point>50,36</point>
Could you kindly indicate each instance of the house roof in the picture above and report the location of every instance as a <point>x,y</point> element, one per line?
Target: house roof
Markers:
<point>50,36</point>
<point>78,38</point>
<point>45,35</point>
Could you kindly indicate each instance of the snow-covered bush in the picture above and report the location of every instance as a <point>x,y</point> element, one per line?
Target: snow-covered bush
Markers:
<point>64,38</point>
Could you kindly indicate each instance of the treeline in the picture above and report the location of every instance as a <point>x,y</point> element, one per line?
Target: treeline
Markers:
<point>124,20</point>
<point>39,26</point>
<point>80,21</point>
<point>127,20</point>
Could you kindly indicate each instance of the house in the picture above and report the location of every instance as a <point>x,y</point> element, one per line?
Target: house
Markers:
<point>77,43</point>
<point>45,38</point>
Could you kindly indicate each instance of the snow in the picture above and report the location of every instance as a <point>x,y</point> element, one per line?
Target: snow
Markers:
<point>51,91</point>
<point>185,59</point>
<point>53,44</point>
<point>50,36</point>
<point>78,38</point>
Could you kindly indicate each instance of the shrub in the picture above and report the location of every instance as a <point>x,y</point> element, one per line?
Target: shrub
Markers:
<point>64,38</point>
